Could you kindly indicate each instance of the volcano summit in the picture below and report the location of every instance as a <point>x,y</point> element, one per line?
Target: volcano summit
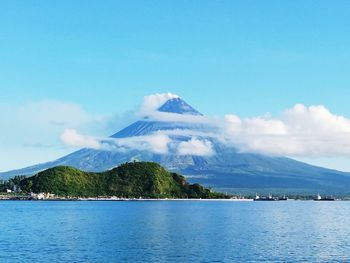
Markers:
<point>183,140</point>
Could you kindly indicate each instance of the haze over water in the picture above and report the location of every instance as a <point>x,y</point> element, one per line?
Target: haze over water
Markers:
<point>174,231</point>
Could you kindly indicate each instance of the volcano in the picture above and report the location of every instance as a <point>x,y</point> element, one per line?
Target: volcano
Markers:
<point>226,169</point>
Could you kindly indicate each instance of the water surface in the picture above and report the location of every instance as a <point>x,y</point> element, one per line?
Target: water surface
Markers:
<point>174,231</point>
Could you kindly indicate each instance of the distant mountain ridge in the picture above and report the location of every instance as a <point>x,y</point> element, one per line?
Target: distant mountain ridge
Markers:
<point>228,169</point>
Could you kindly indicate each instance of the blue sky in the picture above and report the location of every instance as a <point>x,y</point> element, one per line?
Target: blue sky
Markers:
<point>102,57</point>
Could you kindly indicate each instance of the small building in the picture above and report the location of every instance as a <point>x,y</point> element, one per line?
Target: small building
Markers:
<point>42,196</point>
<point>8,191</point>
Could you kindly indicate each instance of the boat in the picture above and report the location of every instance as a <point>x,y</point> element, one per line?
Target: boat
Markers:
<point>320,198</point>
<point>265,198</point>
<point>284,198</point>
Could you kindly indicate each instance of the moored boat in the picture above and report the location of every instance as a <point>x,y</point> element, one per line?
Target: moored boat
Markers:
<point>265,198</point>
<point>284,198</point>
<point>320,198</point>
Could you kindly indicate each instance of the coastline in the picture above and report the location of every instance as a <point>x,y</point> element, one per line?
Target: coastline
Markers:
<point>97,199</point>
<point>50,197</point>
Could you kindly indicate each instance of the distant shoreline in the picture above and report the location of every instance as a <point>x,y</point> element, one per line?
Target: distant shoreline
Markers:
<point>99,199</point>
<point>112,199</point>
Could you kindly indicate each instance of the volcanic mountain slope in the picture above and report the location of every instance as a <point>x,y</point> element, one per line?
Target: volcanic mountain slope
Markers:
<point>227,169</point>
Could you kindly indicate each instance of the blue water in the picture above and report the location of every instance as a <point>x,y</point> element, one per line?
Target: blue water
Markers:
<point>174,231</point>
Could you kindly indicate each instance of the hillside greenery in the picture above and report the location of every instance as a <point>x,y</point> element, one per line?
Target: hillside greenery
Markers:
<point>11,184</point>
<point>129,180</point>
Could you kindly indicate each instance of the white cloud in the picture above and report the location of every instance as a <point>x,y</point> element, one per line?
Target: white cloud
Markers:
<point>156,143</point>
<point>72,138</point>
<point>180,118</point>
<point>152,102</point>
<point>301,131</point>
<point>195,147</point>
<point>34,128</point>
<point>55,113</point>
<point>315,119</point>
<point>41,122</point>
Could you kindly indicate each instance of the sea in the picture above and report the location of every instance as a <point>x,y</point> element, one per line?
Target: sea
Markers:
<point>174,231</point>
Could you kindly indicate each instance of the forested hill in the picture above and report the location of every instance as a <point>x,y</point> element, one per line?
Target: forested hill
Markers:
<point>131,180</point>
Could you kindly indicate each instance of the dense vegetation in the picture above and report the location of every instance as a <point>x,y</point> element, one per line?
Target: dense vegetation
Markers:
<point>137,179</point>
<point>11,184</point>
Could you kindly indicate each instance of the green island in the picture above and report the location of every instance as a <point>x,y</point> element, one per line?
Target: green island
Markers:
<point>129,180</point>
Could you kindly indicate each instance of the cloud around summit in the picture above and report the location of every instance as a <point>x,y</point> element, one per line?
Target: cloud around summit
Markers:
<point>157,143</point>
<point>152,103</point>
<point>301,131</point>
